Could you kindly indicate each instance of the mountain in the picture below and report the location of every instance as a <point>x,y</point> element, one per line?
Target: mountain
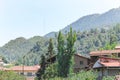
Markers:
<point>88,22</point>
<point>15,49</point>
<point>32,48</point>
<point>51,34</point>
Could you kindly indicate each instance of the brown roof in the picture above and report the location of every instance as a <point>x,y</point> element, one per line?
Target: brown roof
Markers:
<point>103,52</point>
<point>74,54</point>
<point>109,62</point>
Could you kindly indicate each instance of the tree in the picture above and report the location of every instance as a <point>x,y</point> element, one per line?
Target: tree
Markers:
<point>71,38</point>
<point>50,49</point>
<point>65,54</point>
<point>49,72</point>
<point>41,71</point>
<point>60,55</point>
<point>113,39</point>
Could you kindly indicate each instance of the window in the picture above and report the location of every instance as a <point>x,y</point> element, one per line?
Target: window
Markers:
<point>29,74</point>
<point>81,62</point>
<point>21,73</point>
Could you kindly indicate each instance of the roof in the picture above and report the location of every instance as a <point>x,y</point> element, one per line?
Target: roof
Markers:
<point>82,56</point>
<point>110,62</point>
<point>97,64</point>
<point>107,62</point>
<point>103,52</point>
<point>54,57</point>
<point>25,68</point>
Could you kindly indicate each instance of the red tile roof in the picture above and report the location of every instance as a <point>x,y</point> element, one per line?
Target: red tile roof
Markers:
<point>103,52</point>
<point>25,68</point>
<point>110,62</point>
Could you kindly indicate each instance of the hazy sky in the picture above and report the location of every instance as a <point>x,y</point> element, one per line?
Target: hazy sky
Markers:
<point>27,18</point>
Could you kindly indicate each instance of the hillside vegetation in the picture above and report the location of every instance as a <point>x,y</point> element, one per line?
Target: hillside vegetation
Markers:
<point>32,48</point>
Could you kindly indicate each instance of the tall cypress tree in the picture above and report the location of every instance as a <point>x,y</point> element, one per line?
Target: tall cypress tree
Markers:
<point>60,56</point>
<point>65,55</point>
<point>71,38</point>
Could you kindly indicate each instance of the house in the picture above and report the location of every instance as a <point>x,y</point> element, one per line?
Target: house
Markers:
<point>107,62</point>
<point>80,62</point>
<point>103,53</point>
<point>25,70</point>
<point>107,66</point>
<point>28,71</point>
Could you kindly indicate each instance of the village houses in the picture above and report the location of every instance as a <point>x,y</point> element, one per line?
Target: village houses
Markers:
<point>106,62</point>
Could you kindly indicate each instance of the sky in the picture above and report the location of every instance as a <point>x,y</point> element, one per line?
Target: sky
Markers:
<point>28,18</point>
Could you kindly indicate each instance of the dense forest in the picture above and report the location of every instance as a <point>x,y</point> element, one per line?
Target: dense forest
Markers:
<point>31,49</point>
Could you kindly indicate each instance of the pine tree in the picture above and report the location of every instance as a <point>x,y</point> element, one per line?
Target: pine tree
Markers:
<point>49,72</point>
<point>50,50</point>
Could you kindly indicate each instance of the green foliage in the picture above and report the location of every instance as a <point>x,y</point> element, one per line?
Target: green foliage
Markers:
<point>87,41</point>
<point>4,75</point>
<point>51,71</point>
<point>41,71</point>
<point>47,69</point>
<point>50,49</point>
<point>3,59</point>
<point>108,78</point>
<point>82,75</point>
<point>65,54</point>
<point>60,55</point>
<point>71,38</point>
<point>109,46</point>
<point>14,50</point>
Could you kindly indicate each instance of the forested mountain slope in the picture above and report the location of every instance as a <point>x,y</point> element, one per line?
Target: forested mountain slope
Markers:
<point>88,22</point>
<point>32,48</point>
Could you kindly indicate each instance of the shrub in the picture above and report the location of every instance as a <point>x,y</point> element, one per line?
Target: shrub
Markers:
<point>108,78</point>
<point>9,75</point>
<point>82,75</point>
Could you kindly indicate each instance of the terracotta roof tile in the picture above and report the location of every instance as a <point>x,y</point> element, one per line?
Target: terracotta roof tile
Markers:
<point>103,52</point>
<point>26,68</point>
<point>110,62</point>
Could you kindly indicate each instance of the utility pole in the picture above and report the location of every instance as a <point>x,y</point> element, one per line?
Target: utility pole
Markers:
<point>23,63</point>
